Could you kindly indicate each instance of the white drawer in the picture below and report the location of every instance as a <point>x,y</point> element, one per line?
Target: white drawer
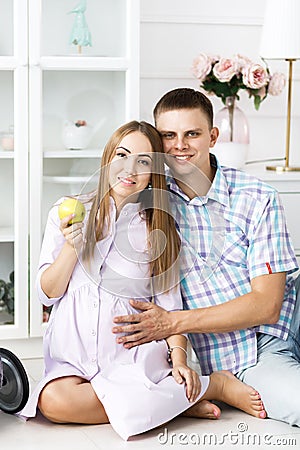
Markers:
<point>291,203</point>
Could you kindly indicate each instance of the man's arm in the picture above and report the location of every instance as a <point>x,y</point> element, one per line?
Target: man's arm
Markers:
<point>260,306</point>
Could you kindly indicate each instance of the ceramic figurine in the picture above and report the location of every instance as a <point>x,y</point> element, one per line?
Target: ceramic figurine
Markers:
<point>76,136</point>
<point>80,34</point>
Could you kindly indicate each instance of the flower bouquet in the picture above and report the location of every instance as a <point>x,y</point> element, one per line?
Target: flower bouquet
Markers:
<point>225,77</point>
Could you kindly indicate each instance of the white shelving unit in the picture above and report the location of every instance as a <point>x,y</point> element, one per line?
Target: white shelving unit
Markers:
<point>14,164</point>
<point>100,86</point>
<point>47,83</point>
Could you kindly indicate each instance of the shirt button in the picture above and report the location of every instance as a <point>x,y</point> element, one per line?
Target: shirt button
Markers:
<point>93,333</point>
<point>125,213</point>
<point>95,305</point>
<point>93,360</point>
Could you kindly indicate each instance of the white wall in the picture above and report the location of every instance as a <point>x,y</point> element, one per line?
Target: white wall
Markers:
<point>173,32</point>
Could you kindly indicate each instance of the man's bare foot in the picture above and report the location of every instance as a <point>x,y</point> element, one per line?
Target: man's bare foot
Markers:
<point>204,410</point>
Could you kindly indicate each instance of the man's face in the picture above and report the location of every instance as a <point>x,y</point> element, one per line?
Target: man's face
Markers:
<point>187,139</point>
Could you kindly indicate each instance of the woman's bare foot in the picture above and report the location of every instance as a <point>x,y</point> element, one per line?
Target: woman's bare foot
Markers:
<point>225,387</point>
<point>204,410</point>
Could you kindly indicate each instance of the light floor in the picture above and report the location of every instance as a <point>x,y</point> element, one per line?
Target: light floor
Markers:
<point>234,430</point>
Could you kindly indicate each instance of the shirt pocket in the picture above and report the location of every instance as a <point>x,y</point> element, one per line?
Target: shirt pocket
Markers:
<point>235,250</point>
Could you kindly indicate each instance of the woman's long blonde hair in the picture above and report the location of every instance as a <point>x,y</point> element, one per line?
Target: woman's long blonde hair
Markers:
<point>163,242</point>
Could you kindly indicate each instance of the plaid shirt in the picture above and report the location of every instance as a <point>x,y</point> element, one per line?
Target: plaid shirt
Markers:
<point>235,233</point>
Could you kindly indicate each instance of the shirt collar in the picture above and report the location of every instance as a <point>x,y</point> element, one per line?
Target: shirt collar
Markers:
<point>218,191</point>
<point>134,211</point>
<point>130,207</point>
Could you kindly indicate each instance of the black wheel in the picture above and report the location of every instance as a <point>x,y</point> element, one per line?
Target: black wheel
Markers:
<point>14,389</point>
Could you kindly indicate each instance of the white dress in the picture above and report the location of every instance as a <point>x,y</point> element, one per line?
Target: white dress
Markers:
<point>135,386</point>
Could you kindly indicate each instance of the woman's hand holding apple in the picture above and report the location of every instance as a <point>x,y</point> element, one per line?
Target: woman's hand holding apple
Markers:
<point>72,233</point>
<point>71,213</point>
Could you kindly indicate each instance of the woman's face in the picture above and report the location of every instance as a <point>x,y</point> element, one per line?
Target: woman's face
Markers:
<point>130,168</point>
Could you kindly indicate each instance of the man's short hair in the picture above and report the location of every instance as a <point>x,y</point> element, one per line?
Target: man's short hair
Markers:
<point>184,98</point>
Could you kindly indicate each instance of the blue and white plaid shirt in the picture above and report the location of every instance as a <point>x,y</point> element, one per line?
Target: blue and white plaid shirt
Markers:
<point>233,234</point>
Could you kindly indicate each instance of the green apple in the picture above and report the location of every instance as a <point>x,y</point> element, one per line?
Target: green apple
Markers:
<point>71,206</point>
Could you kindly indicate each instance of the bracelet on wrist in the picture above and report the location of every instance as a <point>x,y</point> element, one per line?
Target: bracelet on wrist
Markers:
<point>170,349</point>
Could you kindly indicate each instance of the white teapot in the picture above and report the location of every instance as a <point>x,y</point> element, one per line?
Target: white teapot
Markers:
<point>76,135</point>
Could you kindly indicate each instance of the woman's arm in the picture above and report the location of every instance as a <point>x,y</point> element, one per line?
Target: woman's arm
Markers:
<point>181,372</point>
<point>55,279</point>
<point>176,343</point>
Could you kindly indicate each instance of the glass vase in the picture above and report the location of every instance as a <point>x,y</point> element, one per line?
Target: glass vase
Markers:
<point>232,146</point>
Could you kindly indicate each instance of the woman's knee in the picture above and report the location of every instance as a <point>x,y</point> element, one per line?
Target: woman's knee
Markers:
<point>51,403</point>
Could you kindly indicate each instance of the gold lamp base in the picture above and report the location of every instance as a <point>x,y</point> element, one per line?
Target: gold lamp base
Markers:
<point>283,168</point>
<point>287,167</point>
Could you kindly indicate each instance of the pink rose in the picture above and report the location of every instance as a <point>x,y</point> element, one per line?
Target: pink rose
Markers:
<point>277,83</point>
<point>255,76</point>
<point>242,61</point>
<point>214,58</point>
<point>201,66</point>
<point>225,69</point>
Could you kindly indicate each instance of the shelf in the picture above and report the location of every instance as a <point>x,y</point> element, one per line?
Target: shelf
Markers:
<point>5,154</point>
<point>70,179</point>
<point>6,234</point>
<point>8,62</point>
<point>83,63</point>
<point>87,153</point>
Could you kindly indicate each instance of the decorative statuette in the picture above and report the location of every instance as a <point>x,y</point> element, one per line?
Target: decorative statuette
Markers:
<point>80,34</point>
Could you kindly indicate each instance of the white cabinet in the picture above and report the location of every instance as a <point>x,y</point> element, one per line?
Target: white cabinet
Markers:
<point>43,87</point>
<point>288,186</point>
<point>14,165</point>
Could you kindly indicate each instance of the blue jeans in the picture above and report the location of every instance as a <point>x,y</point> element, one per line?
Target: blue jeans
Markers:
<point>276,376</point>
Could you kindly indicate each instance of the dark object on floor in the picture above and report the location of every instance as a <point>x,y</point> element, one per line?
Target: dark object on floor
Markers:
<point>14,384</point>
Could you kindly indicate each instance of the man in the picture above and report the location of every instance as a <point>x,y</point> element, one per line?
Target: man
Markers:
<point>238,292</point>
